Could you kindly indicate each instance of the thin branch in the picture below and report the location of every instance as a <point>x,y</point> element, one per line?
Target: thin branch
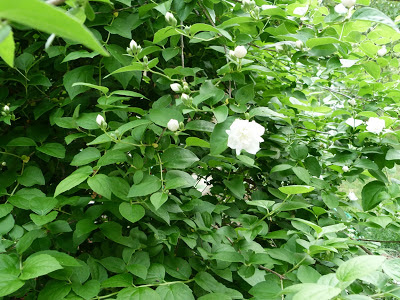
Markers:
<point>225,48</point>
<point>182,46</point>
<point>377,241</point>
<point>273,272</point>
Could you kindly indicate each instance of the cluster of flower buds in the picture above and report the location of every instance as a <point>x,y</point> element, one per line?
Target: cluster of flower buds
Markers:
<point>382,51</point>
<point>133,48</point>
<point>183,89</point>
<point>250,7</point>
<point>169,17</point>
<point>6,110</point>
<point>344,6</point>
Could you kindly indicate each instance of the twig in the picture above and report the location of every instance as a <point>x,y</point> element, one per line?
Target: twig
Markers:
<point>182,46</point>
<point>377,241</point>
<point>225,49</point>
<point>273,272</point>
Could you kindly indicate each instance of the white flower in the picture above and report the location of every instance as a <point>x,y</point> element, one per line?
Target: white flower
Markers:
<point>278,48</point>
<point>299,44</point>
<point>176,87</point>
<point>341,9</point>
<point>352,196</point>
<point>173,125</point>
<point>345,168</point>
<point>353,122</point>
<point>6,108</point>
<point>382,51</point>
<point>245,135</point>
<point>170,19</point>
<point>347,63</point>
<point>375,125</point>
<point>4,164</point>
<point>100,121</point>
<point>352,102</point>
<point>349,3</point>
<point>301,10</point>
<point>240,52</point>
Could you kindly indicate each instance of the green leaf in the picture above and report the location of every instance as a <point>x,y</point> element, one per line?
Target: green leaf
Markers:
<point>164,33</point>
<point>133,67</point>
<point>50,19</point>
<point>178,179</point>
<point>84,226</point>
<point>7,49</point>
<point>80,74</point>
<point>141,293</point>
<point>215,296</point>
<point>149,185</point>
<point>391,267</point>
<point>194,141</point>
<point>371,194</point>
<point>132,213</point>
<point>27,239</point>
<point>158,199</point>
<point>32,175</point>
<point>9,283</point>
<point>73,180</point>
<point>42,220</point>
<point>79,54</point>
<point>296,189</point>
<point>42,205</point>
<point>177,267</point>
<point>88,290</point>
<point>112,157</point>
<point>102,89</point>
<point>54,289</point>
<point>236,186</point>
<point>321,41</point>
<point>393,154</point>
<point>219,137</point>
<point>374,15</point>
<point>161,116</point>
<point>302,174</point>
<point>21,142</point>
<point>100,184</point>
<point>358,267</point>
<point>86,156</point>
<point>299,151</point>
<point>52,149</point>
<point>6,224</point>
<point>178,291</point>
<point>5,209</point>
<point>312,291</point>
<point>39,265</point>
<point>229,256</point>
<point>372,68</point>
<point>178,158</point>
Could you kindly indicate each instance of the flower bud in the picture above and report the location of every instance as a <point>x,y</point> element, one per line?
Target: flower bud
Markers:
<point>240,52</point>
<point>6,108</point>
<point>352,102</point>
<point>185,97</point>
<point>349,3</point>
<point>345,168</point>
<point>186,87</point>
<point>341,9</point>
<point>176,87</point>
<point>170,19</point>
<point>248,4</point>
<point>4,164</point>
<point>299,44</point>
<point>278,48</point>
<point>145,60</point>
<point>133,45</point>
<point>100,121</point>
<point>173,125</point>
<point>382,51</point>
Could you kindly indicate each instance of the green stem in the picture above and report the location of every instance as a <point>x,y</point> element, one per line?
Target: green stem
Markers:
<point>11,154</point>
<point>166,283</point>
<point>161,171</point>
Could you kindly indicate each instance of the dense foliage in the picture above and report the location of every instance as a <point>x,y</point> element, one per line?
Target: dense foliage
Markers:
<point>198,153</point>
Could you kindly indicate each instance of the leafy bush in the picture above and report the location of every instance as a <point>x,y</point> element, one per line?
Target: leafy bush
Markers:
<point>202,155</point>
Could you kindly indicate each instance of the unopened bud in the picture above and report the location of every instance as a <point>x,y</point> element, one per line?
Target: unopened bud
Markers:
<point>299,44</point>
<point>186,87</point>
<point>4,164</point>
<point>176,87</point>
<point>170,19</point>
<point>6,108</point>
<point>100,121</point>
